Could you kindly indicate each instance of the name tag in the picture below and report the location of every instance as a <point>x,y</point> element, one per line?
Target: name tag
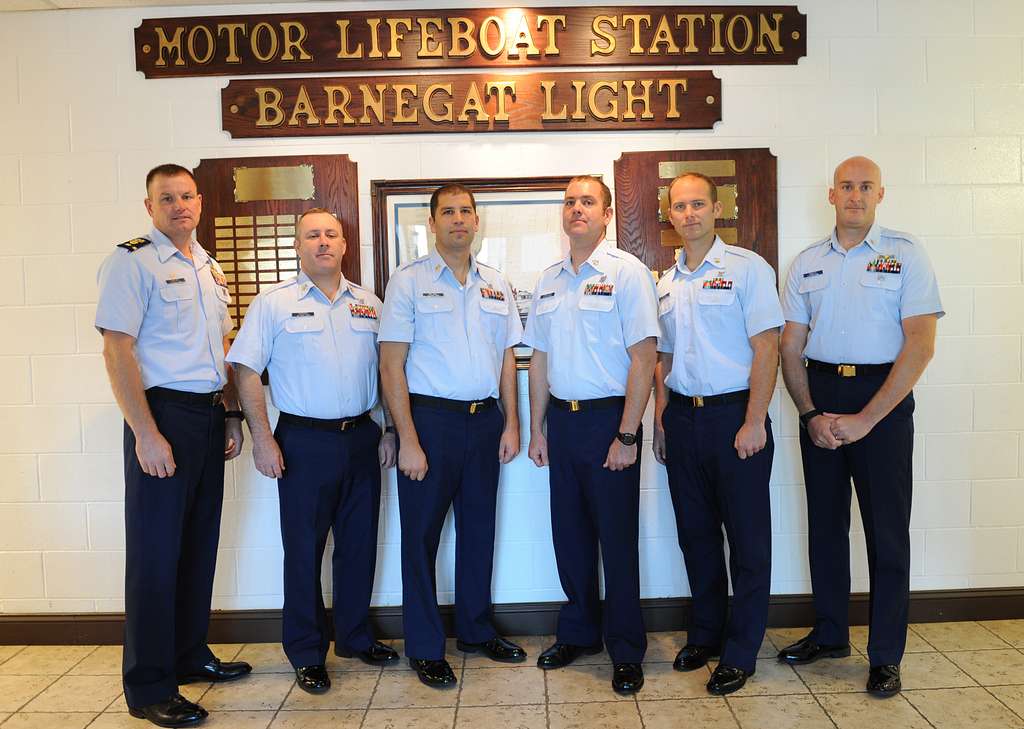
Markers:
<point>175,280</point>
<point>433,294</point>
<point>362,311</point>
<point>812,274</point>
<point>548,295</point>
<point>302,313</point>
<point>885,264</point>
<point>598,289</point>
<point>492,294</point>
<point>717,284</point>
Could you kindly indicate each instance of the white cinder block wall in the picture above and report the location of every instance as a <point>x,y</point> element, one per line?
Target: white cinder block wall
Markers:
<point>932,90</point>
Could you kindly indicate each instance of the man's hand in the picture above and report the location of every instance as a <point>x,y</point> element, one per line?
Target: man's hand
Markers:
<point>849,428</point>
<point>538,449</point>
<point>233,438</point>
<point>750,438</point>
<point>508,447</point>
<point>620,456</point>
<point>660,450</point>
<point>386,450</point>
<point>154,454</point>
<point>820,431</point>
<point>266,454</point>
<point>412,461</point>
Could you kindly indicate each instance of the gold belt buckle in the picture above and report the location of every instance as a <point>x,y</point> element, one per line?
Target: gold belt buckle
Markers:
<point>846,370</point>
<point>345,424</point>
<point>473,407</point>
<point>574,406</point>
<point>698,401</point>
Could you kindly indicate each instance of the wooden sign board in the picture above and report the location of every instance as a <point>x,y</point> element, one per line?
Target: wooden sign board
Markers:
<point>670,35</point>
<point>492,102</point>
<point>746,181</point>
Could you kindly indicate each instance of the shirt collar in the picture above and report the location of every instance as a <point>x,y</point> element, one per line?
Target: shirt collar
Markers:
<point>438,266</point>
<point>165,248</point>
<point>873,239</point>
<point>715,257</point>
<point>598,259</point>
<point>305,284</point>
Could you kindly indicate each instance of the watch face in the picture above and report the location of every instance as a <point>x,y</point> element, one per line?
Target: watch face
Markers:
<point>627,438</point>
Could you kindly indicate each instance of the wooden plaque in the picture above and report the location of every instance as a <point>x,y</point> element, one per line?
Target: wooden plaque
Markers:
<point>492,102</point>
<point>669,35</point>
<point>251,205</point>
<point>746,180</point>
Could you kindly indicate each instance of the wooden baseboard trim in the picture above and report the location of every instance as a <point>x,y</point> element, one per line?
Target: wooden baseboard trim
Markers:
<point>264,626</point>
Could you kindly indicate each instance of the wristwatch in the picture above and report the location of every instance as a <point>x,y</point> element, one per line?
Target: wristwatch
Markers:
<point>807,417</point>
<point>627,438</point>
<point>234,414</point>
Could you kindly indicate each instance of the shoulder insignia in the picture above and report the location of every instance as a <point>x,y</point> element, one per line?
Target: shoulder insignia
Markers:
<point>134,244</point>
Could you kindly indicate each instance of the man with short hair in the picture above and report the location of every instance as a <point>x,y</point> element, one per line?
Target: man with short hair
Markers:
<point>593,327</point>
<point>447,333</point>
<point>718,358</point>
<point>861,307</point>
<point>163,315</point>
<point>316,333</point>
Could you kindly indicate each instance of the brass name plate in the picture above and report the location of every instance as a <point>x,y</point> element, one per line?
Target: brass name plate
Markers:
<point>709,167</point>
<point>274,183</point>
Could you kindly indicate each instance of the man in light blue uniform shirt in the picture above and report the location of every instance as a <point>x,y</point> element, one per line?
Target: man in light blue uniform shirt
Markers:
<point>593,326</point>
<point>316,333</point>
<point>447,333</point>
<point>720,320</point>
<point>861,308</point>
<point>163,315</point>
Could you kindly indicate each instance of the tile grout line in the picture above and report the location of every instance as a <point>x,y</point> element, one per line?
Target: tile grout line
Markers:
<point>1008,707</point>
<point>813,695</point>
<point>986,628</point>
<point>57,677</point>
<point>547,702</point>
<point>373,693</point>
<point>458,696</point>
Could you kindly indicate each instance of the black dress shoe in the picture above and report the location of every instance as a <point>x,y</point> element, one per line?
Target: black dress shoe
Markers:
<point>627,678</point>
<point>313,679</point>
<point>693,656</point>
<point>497,649</point>
<point>376,655</point>
<point>216,672</point>
<point>808,650</point>
<point>176,711</point>
<point>884,680</point>
<point>727,679</point>
<point>562,654</point>
<point>436,674</point>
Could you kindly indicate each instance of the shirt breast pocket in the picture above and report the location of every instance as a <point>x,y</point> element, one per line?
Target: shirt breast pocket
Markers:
<point>597,314</point>
<point>716,297</point>
<point>177,304</point>
<point>364,324</point>
<point>433,318</point>
<point>303,338</point>
<point>493,315</point>
<point>882,295</point>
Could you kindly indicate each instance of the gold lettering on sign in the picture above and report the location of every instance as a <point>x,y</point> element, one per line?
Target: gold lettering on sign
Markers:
<point>748,33</point>
<point>663,36</point>
<point>474,104</point>
<point>169,47</point>
<point>303,107</point>
<point>427,28</point>
<point>489,50</point>
<point>402,111</point>
<point>428,108</point>
<point>522,39</point>
<point>334,106</point>
<point>771,33</point>
<point>376,105</point>
<point>551,23</point>
<point>374,24</point>
<point>396,35</point>
<point>638,22</point>
<point>690,22</point>
<point>609,40</point>
<point>210,43</point>
<point>500,88</point>
<point>672,84</point>
<point>612,110</point>
<point>260,30</point>
<point>343,48</point>
<point>643,97</point>
<point>270,114</point>
<point>548,115</point>
<point>463,44</point>
<point>294,33</point>
<point>232,29</point>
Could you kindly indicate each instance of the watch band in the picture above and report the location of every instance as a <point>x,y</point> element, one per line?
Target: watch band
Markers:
<point>234,414</point>
<point>627,438</point>
<point>807,417</point>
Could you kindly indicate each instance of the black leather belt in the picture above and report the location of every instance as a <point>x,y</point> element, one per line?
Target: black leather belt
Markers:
<point>849,370</point>
<point>202,399</point>
<point>460,406</point>
<point>575,406</point>
<point>698,401</point>
<point>333,424</point>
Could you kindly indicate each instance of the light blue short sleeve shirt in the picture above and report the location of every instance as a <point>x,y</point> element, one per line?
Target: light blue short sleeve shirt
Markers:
<point>854,301</point>
<point>457,334</point>
<point>321,355</point>
<point>708,316</point>
<point>586,322</point>
<point>175,308</point>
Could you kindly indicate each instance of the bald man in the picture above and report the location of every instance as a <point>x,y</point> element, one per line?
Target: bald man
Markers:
<point>861,307</point>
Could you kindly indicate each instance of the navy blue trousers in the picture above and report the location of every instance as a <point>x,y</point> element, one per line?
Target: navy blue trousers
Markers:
<point>172,526</point>
<point>462,472</point>
<point>711,486</point>
<point>331,482</point>
<point>592,506</point>
<point>881,466</point>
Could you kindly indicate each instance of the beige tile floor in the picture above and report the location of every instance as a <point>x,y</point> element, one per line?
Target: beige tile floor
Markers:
<point>968,674</point>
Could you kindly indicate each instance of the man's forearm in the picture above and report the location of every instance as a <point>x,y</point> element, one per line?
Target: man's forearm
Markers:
<point>539,392</point>
<point>763,374</point>
<point>642,357</point>
<point>230,393</point>
<point>254,401</point>
<point>661,371</point>
<point>396,389</point>
<point>508,388</point>
<point>917,351</point>
<point>794,371</point>
<point>126,382</point>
